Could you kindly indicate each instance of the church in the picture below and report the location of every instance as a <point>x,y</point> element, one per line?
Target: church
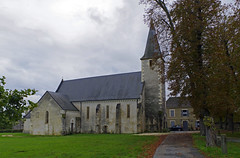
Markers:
<point>119,103</point>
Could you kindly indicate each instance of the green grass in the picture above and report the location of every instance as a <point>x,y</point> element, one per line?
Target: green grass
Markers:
<point>73,146</point>
<point>235,134</point>
<point>216,152</point>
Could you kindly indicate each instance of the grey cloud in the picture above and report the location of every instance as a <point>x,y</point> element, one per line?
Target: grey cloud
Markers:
<point>95,15</point>
<point>33,58</point>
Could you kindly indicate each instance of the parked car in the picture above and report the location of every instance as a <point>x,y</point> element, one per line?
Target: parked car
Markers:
<point>176,128</point>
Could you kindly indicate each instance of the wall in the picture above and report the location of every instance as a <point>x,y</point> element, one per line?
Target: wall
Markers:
<point>154,96</point>
<point>71,118</point>
<point>179,119</point>
<point>27,126</point>
<point>98,121</point>
<point>38,115</point>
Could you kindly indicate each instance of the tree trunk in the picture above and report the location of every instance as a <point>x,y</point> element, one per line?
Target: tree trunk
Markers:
<point>210,137</point>
<point>202,127</point>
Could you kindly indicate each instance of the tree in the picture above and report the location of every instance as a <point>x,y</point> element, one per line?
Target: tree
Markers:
<point>197,57</point>
<point>13,104</point>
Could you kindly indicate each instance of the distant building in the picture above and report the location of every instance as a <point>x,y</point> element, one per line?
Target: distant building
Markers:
<point>180,113</point>
<point>120,103</point>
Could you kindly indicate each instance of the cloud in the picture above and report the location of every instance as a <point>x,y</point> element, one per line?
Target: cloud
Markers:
<point>42,42</point>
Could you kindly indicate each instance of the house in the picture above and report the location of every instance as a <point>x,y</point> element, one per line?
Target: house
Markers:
<point>118,103</point>
<point>180,113</point>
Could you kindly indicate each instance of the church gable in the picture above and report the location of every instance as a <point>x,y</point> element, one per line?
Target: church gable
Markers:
<point>46,117</point>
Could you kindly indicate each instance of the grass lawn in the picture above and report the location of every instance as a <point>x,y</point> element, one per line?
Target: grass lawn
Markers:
<point>73,146</point>
<point>230,134</point>
<point>216,152</point>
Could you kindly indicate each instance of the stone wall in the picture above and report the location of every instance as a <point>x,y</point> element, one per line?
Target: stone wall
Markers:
<point>154,96</point>
<point>178,118</point>
<point>94,117</point>
<point>27,126</point>
<point>39,123</point>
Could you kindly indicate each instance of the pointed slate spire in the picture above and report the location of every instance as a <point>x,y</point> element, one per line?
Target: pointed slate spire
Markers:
<point>152,46</point>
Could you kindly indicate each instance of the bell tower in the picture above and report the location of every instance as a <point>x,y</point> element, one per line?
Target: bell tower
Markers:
<point>154,88</point>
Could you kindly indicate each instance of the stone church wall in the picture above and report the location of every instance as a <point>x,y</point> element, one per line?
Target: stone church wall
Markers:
<point>27,126</point>
<point>40,125</point>
<point>94,117</point>
<point>72,124</point>
<point>153,95</point>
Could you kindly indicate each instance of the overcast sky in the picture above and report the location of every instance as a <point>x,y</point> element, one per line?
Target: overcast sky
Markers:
<point>43,41</point>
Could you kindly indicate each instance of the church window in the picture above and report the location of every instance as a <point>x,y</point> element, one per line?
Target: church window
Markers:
<point>128,111</point>
<point>98,108</point>
<point>78,121</point>
<point>150,63</point>
<point>88,112</point>
<point>46,117</point>
<point>107,114</point>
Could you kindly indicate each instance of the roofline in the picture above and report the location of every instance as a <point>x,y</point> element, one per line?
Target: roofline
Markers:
<point>59,85</point>
<point>104,99</point>
<point>99,76</point>
<point>60,105</point>
<point>27,114</point>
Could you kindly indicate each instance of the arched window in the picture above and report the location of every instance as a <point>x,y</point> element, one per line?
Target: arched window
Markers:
<point>46,117</point>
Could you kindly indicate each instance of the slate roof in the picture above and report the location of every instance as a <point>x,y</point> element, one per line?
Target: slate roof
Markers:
<point>152,46</point>
<point>63,101</point>
<point>177,102</point>
<point>111,87</point>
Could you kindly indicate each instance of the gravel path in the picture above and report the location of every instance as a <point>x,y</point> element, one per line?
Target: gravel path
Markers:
<point>177,146</point>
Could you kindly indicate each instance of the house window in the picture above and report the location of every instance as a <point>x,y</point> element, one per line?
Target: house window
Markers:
<point>172,123</point>
<point>107,115</point>
<point>88,112</point>
<point>172,113</point>
<point>46,117</point>
<point>185,113</point>
<point>128,111</point>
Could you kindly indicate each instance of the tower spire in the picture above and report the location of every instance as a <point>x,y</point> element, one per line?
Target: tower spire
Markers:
<point>152,46</point>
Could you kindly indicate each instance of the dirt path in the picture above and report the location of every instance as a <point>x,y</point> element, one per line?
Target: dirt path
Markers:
<point>177,146</point>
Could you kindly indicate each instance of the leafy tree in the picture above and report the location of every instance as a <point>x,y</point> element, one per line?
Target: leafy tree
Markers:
<point>13,104</point>
<point>200,64</point>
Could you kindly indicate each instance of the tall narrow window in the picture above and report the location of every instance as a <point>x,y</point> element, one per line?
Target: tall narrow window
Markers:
<point>107,115</point>
<point>88,112</point>
<point>128,111</point>
<point>172,113</point>
<point>46,117</point>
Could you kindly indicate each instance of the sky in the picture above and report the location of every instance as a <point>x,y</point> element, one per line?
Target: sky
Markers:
<point>45,41</point>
